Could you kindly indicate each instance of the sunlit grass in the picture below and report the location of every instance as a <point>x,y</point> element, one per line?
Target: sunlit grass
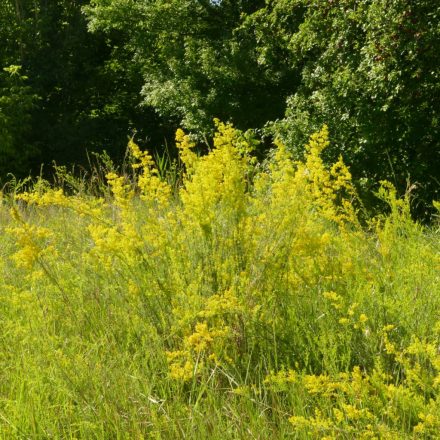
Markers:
<point>250,302</point>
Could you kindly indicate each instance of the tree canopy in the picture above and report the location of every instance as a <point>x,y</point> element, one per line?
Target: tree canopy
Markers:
<point>93,72</point>
<point>70,91</point>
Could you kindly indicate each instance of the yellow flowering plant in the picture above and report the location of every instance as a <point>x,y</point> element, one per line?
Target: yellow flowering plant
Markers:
<point>245,289</point>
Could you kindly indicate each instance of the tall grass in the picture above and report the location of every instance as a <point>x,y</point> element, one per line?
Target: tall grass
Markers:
<point>230,299</point>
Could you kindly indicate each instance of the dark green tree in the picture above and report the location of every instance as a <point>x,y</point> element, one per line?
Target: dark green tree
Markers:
<point>16,104</point>
<point>88,87</point>
<point>199,59</point>
<point>369,69</point>
<point>17,99</point>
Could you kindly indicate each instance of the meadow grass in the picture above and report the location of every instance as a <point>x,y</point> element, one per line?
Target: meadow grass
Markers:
<point>238,300</point>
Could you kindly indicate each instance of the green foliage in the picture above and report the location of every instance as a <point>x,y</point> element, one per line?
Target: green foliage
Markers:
<point>89,91</point>
<point>365,68</point>
<point>368,70</point>
<point>198,59</point>
<point>16,103</point>
<point>248,302</point>
<point>105,69</point>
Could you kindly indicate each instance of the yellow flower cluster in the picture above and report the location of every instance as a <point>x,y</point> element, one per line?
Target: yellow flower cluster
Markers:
<point>215,183</point>
<point>208,344</point>
<point>246,276</point>
<point>186,153</point>
<point>152,187</point>
<point>331,190</point>
<point>368,405</point>
<point>33,242</point>
<point>202,349</point>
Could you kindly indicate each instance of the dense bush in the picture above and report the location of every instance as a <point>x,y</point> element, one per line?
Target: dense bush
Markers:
<point>229,298</point>
<point>366,68</point>
<point>105,69</point>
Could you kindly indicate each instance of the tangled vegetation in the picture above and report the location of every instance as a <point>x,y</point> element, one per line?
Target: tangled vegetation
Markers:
<point>230,298</point>
<point>79,76</point>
